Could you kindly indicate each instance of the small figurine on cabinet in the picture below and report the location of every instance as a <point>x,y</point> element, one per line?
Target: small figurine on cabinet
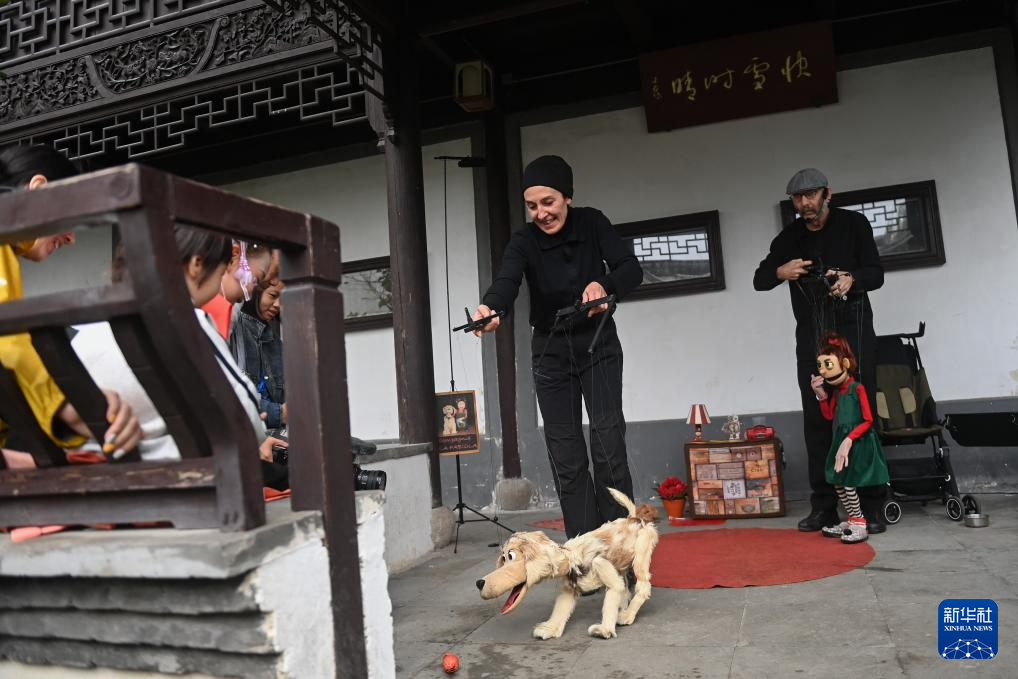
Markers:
<point>733,427</point>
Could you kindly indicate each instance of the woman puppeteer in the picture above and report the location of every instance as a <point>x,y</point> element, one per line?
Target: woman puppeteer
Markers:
<point>566,254</point>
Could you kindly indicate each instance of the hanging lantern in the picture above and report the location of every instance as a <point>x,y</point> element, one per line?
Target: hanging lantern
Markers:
<point>474,86</point>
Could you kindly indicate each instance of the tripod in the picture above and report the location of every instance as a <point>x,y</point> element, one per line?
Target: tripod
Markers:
<point>460,504</point>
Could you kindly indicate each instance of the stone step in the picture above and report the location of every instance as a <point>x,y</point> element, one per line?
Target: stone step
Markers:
<point>180,597</point>
<point>237,633</point>
<point>138,658</point>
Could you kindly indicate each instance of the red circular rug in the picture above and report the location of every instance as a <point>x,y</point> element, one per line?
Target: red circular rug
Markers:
<point>560,524</point>
<point>743,557</point>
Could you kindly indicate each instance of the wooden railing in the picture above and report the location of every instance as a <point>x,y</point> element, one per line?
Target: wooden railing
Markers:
<point>217,481</point>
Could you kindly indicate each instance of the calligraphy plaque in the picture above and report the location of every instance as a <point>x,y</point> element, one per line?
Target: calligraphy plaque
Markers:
<point>739,77</point>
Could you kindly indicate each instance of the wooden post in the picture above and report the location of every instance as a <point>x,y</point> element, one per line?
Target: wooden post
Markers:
<point>500,231</point>
<point>398,126</point>
<point>321,473</point>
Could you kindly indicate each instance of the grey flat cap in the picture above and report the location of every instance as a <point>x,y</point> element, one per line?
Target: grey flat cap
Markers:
<point>806,180</point>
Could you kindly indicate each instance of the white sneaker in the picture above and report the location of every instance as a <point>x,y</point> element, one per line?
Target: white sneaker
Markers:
<point>856,533</point>
<point>835,531</point>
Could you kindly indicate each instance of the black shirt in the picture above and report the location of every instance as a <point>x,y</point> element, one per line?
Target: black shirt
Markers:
<point>559,266</point>
<point>846,243</point>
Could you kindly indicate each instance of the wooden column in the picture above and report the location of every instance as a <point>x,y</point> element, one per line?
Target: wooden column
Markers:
<point>408,249</point>
<point>321,476</point>
<point>500,231</point>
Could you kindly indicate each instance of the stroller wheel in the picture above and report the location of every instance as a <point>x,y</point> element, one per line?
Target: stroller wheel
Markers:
<point>892,512</point>
<point>955,510</point>
<point>970,504</point>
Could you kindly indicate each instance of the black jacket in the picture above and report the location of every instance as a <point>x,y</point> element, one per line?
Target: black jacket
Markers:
<point>558,267</point>
<point>846,243</point>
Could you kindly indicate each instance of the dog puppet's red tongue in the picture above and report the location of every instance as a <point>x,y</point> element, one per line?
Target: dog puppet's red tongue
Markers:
<point>513,596</point>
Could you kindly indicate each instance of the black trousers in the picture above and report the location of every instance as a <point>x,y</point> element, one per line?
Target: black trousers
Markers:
<point>855,325</point>
<point>564,373</point>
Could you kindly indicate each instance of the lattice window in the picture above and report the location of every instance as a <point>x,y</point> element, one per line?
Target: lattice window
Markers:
<point>367,293</point>
<point>673,257</point>
<point>679,254</point>
<point>905,220</point>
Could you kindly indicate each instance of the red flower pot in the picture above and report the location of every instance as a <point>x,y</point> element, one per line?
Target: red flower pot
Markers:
<point>675,508</point>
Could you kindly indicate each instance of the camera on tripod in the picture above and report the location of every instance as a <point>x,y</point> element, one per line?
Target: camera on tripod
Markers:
<point>363,479</point>
<point>368,479</point>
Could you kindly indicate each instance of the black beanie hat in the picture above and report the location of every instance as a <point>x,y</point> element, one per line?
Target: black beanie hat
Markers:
<point>550,171</point>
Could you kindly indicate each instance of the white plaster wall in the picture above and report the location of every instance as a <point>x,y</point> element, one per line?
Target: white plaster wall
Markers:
<point>86,264</point>
<point>352,195</point>
<point>378,627</point>
<point>291,588</point>
<point>935,118</point>
<point>407,510</point>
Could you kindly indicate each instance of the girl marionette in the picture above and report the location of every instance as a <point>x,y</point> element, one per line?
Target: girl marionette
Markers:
<point>855,458</point>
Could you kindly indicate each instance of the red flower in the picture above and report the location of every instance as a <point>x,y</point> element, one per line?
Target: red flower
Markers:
<point>672,488</point>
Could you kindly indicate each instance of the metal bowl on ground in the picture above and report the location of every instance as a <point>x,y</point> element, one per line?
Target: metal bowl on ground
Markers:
<point>977,520</point>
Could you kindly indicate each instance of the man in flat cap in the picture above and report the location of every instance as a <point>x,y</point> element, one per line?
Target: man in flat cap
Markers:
<point>830,260</point>
<point>567,254</point>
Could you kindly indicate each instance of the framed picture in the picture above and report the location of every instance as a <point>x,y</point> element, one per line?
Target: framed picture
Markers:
<point>680,254</point>
<point>456,422</point>
<point>905,220</point>
<point>367,293</point>
<point>735,479</point>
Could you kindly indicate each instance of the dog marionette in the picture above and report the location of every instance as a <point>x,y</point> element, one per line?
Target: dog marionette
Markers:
<point>585,563</point>
<point>448,421</point>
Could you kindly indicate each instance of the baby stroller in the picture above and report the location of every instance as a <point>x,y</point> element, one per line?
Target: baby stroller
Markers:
<point>906,414</point>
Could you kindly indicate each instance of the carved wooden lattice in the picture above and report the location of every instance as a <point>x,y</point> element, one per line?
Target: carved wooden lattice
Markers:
<point>68,63</point>
<point>324,92</point>
<point>32,29</point>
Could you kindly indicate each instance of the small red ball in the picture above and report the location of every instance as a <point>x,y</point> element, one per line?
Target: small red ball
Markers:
<point>450,663</point>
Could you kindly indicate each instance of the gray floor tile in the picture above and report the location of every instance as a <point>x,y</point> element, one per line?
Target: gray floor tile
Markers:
<point>506,661</point>
<point>926,561</point>
<point>610,660</point>
<point>911,625</point>
<point>774,661</point>
<point>821,624</point>
<point>932,588</point>
<point>414,656</point>
<point>437,623</point>
<point>883,615</point>
<point>517,627</point>
<point>681,625</point>
<point>815,591</point>
<point>924,663</point>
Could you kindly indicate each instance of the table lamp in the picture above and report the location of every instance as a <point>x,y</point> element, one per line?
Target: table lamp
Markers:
<point>698,416</point>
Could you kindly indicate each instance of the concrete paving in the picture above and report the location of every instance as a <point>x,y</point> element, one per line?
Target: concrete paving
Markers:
<point>875,622</point>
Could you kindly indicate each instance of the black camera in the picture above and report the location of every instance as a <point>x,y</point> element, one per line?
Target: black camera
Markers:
<point>368,479</point>
<point>280,455</point>
<point>363,479</point>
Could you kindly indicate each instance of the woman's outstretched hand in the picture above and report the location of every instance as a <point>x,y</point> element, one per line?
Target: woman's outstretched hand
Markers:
<point>484,311</point>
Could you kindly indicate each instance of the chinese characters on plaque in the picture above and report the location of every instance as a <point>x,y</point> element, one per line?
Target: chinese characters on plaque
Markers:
<point>738,77</point>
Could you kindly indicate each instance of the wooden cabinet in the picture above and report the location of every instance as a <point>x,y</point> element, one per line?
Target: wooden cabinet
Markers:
<point>736,479</point>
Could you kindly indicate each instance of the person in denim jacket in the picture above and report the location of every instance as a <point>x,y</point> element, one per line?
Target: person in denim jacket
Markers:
<point>256,343</point>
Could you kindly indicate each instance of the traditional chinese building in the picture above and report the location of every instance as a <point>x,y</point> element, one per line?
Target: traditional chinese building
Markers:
<point>342,110</point>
